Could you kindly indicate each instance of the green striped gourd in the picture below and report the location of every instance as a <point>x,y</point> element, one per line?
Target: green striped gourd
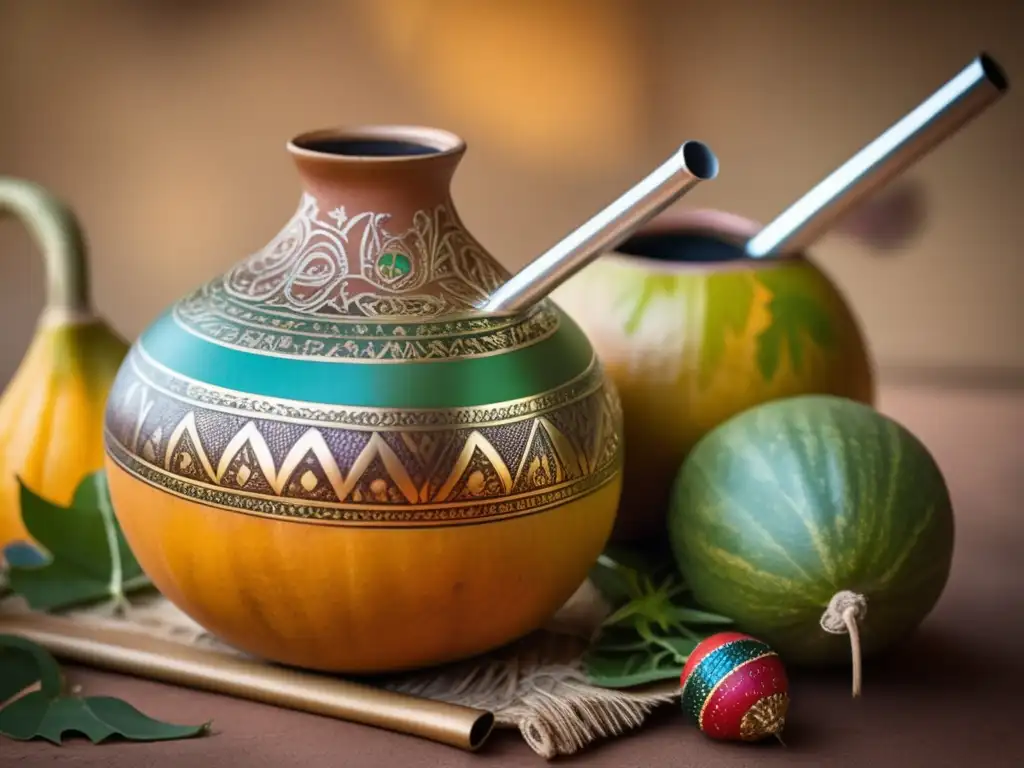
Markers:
<point>817,523</point>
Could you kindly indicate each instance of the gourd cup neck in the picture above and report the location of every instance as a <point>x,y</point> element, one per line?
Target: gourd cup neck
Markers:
<point>378,167</point>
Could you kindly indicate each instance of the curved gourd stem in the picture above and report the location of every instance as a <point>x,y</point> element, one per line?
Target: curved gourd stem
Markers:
<point>57,233</point>
<point>842,616</point>
<point>850,620</point>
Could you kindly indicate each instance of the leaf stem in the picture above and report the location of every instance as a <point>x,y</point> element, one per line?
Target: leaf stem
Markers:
<point>644,630</point>
<point>116,570</point>
<point>685,630</point>
<point>121,606</point>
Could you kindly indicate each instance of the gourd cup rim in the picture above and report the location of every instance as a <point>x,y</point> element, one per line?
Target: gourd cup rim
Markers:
<point>729,227</point>
<point>369,143</point>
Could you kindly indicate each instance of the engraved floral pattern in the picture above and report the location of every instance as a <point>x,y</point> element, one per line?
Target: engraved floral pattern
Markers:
<point>343,286</point>
<point>332,268</point>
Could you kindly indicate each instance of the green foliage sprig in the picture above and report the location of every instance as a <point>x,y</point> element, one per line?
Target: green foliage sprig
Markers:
<point>85,557</point>
<point>49,712</point>
<point>652,628</point>
<point>79,557</point>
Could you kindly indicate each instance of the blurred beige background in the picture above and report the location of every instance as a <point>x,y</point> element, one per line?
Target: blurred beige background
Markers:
<point>164,123</point>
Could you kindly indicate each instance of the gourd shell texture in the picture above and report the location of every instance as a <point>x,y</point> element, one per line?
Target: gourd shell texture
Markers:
<point>690,345</point>
<point>475,493</point>
<point>791,502</point>
<point>331,458</point>
<point>51,417</point>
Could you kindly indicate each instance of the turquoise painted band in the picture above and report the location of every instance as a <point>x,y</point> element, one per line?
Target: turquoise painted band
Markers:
<point>520,373</point>
<point>713,669</point>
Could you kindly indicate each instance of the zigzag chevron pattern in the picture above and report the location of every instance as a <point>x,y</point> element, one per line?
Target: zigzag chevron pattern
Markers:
<point>271,458</point>
<point>311,441</point>
<point>567,465</point>
<point>351,466</point>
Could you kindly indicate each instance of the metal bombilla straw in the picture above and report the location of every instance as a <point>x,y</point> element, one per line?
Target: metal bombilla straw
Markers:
<point>691,164</point>
<point>950,108</point>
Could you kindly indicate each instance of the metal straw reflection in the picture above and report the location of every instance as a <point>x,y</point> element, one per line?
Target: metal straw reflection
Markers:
<point>974,89</point>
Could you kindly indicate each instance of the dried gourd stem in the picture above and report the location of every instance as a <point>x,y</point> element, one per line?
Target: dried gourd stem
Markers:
<point>850,620</point>
<point>58,235</point>
<point>842,616</point>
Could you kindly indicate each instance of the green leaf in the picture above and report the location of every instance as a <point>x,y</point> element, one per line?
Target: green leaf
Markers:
<point>617,639</point>
<point>651,630</point>
<point>36,715</point>
<point>88,558</point>
<point>610,581</point>
<point>625,670</point>
<point>694,616</point>
<point>618,569</point>
<point>729,300</point>
<point>24,663</point>
<point>48,714</point>
<point>797,315</point>
<point>682,647</point>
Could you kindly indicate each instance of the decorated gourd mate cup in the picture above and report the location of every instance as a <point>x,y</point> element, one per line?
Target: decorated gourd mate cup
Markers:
<point>705,313</point>
<point>367,446</point>
<point>691,332</point>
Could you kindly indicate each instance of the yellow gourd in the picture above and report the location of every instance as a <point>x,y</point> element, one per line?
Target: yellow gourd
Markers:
<point>51,411</point>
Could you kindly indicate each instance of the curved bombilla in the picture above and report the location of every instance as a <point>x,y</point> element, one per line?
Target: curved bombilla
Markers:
<point>950,108</point>
<point>691,164</point>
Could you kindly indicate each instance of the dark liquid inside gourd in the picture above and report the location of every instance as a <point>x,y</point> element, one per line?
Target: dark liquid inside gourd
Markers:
<point>367,147</point>
<point>682,248</point>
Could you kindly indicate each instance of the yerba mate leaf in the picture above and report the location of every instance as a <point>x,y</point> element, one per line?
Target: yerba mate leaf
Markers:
<point>87,557</point>
<point>618,572</point>
<point>651,629</point>
<point>38,716</point>
<point>618,669</point>
<point>48,713</point>
<point>23,664</point>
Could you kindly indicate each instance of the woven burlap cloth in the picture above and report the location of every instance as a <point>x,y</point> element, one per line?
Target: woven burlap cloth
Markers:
<point>535,685</point>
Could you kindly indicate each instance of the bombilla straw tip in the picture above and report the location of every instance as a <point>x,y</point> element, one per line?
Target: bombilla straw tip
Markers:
<point>687,167</point>
<point>699,160</point>
<point>993,72</point>
<point>961,99</point>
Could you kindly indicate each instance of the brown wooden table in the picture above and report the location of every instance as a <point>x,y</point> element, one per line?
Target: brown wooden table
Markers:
<point>954,697</point>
